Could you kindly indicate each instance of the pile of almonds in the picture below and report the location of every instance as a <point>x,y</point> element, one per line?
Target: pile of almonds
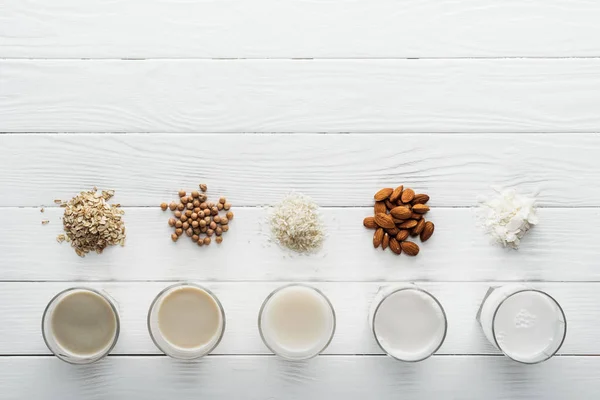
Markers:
<point>399,213</point>
<point>199,218</point>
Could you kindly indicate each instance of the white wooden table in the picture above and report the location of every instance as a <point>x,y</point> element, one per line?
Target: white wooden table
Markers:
<point>333,98</point>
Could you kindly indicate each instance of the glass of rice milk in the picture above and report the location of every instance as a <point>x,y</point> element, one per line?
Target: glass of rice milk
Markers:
<point>525,324</point>
<point>296,322</point>
<point>409,323</point>
<point>186,321</point>
<point>80,325</point>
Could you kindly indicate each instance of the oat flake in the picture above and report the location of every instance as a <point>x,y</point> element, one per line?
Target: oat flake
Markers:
<point>91,224</point>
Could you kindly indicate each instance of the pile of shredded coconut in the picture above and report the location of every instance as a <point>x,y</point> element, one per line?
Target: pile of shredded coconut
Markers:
<point>507,217</point>
<point>296,223</point>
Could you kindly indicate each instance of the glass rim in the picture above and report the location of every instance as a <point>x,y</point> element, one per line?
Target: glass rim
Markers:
<point>564,334</point>
<point>117,325</point>
<point>414,287</point>
<point>277,290</point>
<point>197,286</point>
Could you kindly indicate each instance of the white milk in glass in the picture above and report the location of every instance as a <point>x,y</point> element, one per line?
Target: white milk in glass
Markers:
<point>409,324</point>
<point>296,322</point>
<point>527,325</point>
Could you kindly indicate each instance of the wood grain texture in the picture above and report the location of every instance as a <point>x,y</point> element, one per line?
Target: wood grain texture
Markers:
<point>298,29</point>
<point>325,377</point>
<point>336,170</point>
<point>508,95</point>
<point>22,306</point>
<point>558,249</point>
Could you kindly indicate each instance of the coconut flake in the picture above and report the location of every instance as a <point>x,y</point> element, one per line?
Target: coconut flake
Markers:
<point>507,217</point>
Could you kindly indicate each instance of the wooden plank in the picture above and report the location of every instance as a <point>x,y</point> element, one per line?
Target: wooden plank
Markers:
<point>298,29</point>
<point>336,170</point>
<point>467,95</point>
<point>559,249</point>
<point>326,377</point>
<point>22,305</point>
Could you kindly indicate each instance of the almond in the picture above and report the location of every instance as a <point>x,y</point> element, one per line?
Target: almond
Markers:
<point>402,235</point>
<point>383,194</point>
<point>386,241</point>
<point>384,221</point>
<point>416,216</point>
<point>379,207</point>
<point>398,221</point>
<point>396,194</point>
<point>369,222</point>
<point>420,208</point>
<point>377,238</point>
<point>420,199</point>
<point>411,223</point>
<point>401,212</point>
<point>409,248</point>
<point>389,204</point>
<point>393,232</point>
<point>419,228</point>
<point>407,195</point>
<point>427,231</point>
<point>395,246</point>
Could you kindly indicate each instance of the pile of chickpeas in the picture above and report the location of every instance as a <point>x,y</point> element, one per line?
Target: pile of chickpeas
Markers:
<point>198,218</point>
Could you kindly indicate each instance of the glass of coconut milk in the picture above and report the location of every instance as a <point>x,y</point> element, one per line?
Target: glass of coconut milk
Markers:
<point>296,322</point>
<point>186,321</point>
<point>527,325</point>
<point>80,325</point>
<point>409,323</point>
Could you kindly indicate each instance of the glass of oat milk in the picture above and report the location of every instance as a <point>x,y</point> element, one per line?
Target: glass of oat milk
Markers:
<point>80,325</point>
<point>186,321</point>
<point>296,322</point>
<point>527,325</point>
<point>409,323</point>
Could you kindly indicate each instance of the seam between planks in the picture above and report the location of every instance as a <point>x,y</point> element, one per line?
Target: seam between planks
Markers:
<point>301,58</point>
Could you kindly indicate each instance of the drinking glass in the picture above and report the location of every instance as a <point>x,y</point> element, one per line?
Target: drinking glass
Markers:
<point>403,328</point>
<point>170,349</point>
<point>270,338</point>
<point>517,319</point>
<point>59,350</point>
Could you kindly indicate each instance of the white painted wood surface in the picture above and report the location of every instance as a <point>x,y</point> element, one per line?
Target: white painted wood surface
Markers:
<point>466,95</point>
<point>559,249</point>
<point>326,377</point>
<point>338,170</point>
<point>298,29</point>
<point>505,93</point>
<point>22,305</point>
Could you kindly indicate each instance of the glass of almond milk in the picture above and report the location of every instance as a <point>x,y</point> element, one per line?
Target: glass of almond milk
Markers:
<point>527,325</point>
<point>296,322</point>
<point>186,321</point>
<point>80,325</point>
<point>409,323</point>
